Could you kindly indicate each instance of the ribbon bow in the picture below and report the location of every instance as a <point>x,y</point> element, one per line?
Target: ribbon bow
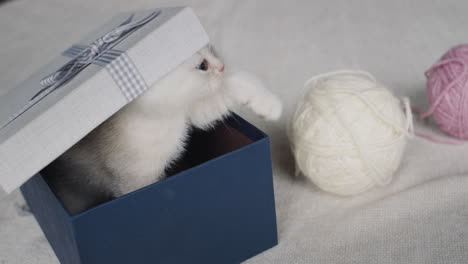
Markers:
<point>124,72</point>
<point>96,49</point>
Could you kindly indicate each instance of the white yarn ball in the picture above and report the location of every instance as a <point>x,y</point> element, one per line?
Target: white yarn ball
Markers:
<point>349,132</point>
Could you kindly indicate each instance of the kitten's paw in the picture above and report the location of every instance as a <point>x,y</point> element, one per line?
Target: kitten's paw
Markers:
<point>246,89</point>
<point>268,108</point>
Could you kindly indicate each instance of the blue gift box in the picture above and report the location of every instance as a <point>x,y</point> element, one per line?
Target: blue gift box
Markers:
<point>218,207</point>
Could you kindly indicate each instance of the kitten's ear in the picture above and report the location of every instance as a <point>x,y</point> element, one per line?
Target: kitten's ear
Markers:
<point>213,50</point>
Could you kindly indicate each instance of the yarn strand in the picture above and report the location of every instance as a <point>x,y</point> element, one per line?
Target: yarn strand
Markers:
<point>431,137</point>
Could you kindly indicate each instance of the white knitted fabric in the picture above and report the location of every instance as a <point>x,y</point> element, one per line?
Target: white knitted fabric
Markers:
<point>349,132</point>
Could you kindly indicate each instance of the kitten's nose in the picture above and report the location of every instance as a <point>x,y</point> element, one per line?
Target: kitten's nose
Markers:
<point>221,69</point>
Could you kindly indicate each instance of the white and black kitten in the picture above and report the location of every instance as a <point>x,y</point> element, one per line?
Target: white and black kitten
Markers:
<point>133,148</point>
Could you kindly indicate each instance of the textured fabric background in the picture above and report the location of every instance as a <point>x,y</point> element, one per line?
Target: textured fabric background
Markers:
<point>421,217</point>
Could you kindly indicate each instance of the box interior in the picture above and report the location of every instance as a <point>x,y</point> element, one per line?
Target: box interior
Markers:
<point>202,146</point>
<point>206,145</point>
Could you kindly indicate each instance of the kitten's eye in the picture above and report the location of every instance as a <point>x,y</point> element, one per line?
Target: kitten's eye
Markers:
<point>203,66</point>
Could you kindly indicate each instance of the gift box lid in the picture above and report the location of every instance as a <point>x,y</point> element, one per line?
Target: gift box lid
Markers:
<point>91,80</point>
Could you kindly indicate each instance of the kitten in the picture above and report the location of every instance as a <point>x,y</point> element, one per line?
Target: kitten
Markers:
<point>133,148</point>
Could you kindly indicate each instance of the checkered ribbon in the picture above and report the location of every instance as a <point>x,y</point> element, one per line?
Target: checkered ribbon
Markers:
<point>100,52</point>
<point>120,67</point>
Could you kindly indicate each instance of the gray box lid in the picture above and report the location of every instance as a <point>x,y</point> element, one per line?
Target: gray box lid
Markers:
<point>61,118</point>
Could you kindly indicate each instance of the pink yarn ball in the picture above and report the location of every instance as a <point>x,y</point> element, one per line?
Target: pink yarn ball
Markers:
<point>447,91</point>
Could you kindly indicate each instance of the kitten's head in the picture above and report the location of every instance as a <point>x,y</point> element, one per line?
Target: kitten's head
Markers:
<point>199,76</point>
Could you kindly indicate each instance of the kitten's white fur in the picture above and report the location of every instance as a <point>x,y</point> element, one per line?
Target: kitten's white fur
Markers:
<point>133,148</point>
